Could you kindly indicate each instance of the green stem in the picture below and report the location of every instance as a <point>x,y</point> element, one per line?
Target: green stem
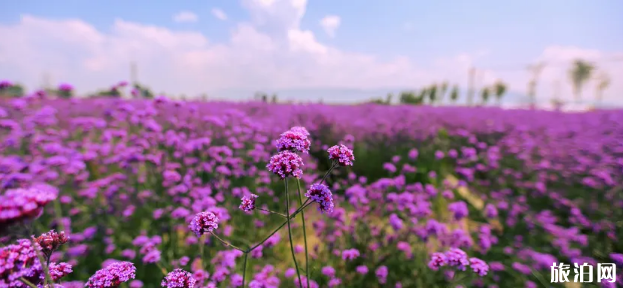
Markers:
<point>244,269</point>
<point>272,212</point>
<point>298,184</point>
<point>48,279</point>
<point>227,244</point>
<point>296,266</point>
<point>164,271</point>
<point>202,241</point>
<point>27,282</point>
<point>270,235</point>
<point>328,172</point>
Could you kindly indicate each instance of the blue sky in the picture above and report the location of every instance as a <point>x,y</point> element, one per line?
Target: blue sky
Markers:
<point>493,33</point>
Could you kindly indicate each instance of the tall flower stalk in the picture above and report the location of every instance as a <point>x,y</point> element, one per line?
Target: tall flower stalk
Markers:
<point>296,266</point>
<point>298,186</point>
<point>285,164</point>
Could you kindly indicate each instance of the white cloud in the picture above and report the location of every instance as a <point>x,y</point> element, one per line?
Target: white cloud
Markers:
<point>219,14</point>
<point>330,23</point>
<point>185,16</point>
<point>269,52</point>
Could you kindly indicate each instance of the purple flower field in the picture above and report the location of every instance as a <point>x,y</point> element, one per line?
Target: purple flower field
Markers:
<point>161,193</point>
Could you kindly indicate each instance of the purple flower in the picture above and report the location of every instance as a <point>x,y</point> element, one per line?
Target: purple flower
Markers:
<point>5,84</point>
<point>457,257</point>
<point>19,204</point>
<point>491,211</point>
<point>335,282</point>
<point>285,164</point>
<point>321,194</point>
<point>459,210</point>
<point>342,154</point>
<point>413,153</point>
<point>439,155</point>
<point>299,129</point>
<point>362,269</point>
<point>381,274</point>
<point>60,270</point>
<point>178,278</point>
<point>293,141</point>
<point>478,266</point>
<point>204,222</point>
<point>395,222</point>
<point>65,87</point>
<point>248,203</point>
<point>51,241</point>
<point>328,271</point>
<point>618,258</point>
<point>350,254</point>
<point>437,260</point>
<point>112,275</point>
<point>289,272</point>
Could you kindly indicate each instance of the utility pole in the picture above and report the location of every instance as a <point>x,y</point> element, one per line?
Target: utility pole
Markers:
<point>535,70</point>
<point>133,73</point>
<point>470,85</point>
<point>45,81</point>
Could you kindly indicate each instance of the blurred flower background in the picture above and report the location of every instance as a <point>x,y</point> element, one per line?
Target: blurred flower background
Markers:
<point>293,143</point>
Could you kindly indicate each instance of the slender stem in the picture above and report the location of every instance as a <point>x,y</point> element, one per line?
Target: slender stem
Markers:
<point>48,279</point>
<point>301,209</point>
<point>27,282</point>
<point>328,172</point>
<point>296,266</point>
<point>270,235</point>
<point>164,271</point>
<point>227,244</point>
<point>202,242</point>
<point>244,269</point>
<point>273,212</point>
<point>298,184</point>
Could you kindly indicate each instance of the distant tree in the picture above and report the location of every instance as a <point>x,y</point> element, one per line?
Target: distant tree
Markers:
<point>388,98</point>
<point>142,91</point>
<point>485,95</point>
<point>407,97</point>
<point>579,73</point>
<point>432,94</point>
<point>13,90</point>
<point>499,88</point>
<point>454,94</point>
<point>421,97</point>
<point>273,98</point>
<point>602,83</point>
<point>442,91</point>
<point>204,97</point>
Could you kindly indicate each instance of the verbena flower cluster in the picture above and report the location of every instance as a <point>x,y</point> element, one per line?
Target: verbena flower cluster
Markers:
<point>21,261</point>
<point>294,140</point>
<point>248,203</point>
<point>51,241</point>
<point>458,258</point>
<point>24,203</point>
<point>179,278</point>
<point>342,154</point>
<point>321,194</point>
<point>112,275</point>
<point>286,164</point>
<point>204,222</point>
